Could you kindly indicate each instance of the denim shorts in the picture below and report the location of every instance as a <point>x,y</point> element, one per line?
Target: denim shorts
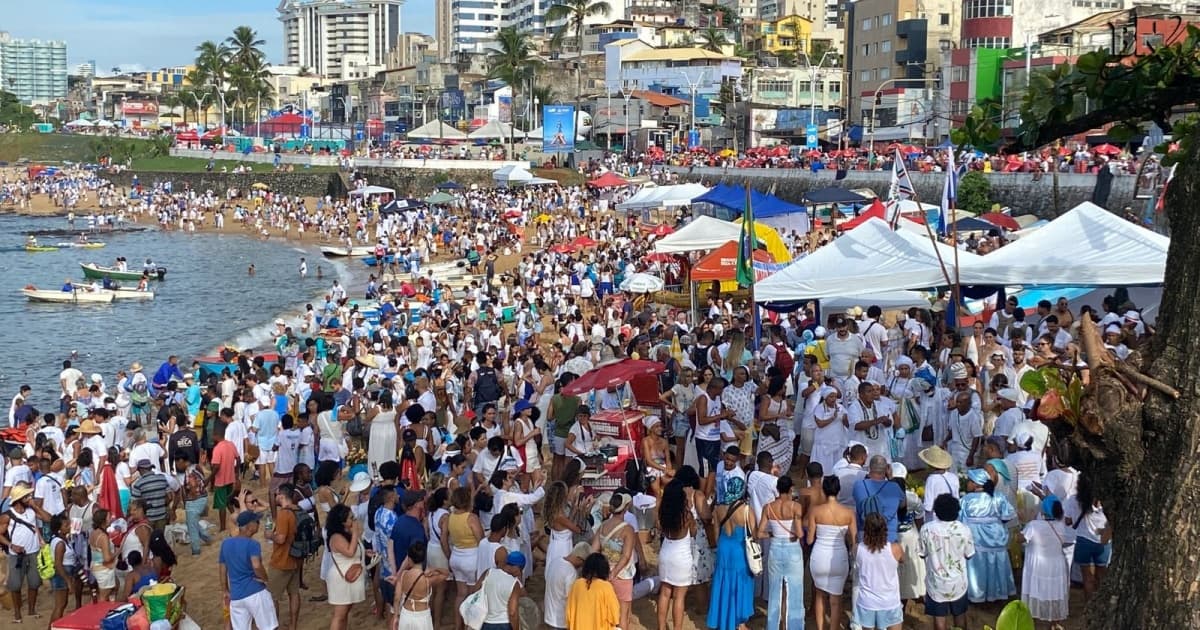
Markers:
<point>558,445</point>
<point>681,425</point>
<point>878,618</point>
<point>956,608</point>
<point>57,583</point>
<point>1089,553</point>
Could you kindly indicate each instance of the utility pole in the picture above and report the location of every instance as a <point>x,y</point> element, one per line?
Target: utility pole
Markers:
<point>693,86</point>
<point>813,71</point>
<point>879,97</point>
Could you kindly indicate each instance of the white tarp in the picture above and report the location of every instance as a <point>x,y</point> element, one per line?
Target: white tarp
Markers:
<point>871,258</point>
<point>436,129</point>
<point>888,301</point>
<point>663,197</point>
<point>495,129</point>
<point>372,190</point>
<point>702,233</point>
<point>512,174</point>
<point>1087,246</point>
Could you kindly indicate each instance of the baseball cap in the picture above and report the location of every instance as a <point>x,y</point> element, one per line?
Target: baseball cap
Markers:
<point>246,517</point>
<point>514,559</point>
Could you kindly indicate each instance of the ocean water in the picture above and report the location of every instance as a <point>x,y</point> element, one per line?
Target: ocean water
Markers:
<point>208,299</point>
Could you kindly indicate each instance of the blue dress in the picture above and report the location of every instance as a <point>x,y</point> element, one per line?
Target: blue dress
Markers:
<point>732,600</point>
<point>989,572</point>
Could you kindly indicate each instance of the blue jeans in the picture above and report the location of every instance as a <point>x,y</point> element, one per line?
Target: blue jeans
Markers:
<point>193,510</point>
<point>708,452</point>
<point>785,567</point>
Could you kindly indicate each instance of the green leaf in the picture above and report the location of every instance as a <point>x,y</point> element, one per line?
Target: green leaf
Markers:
<point>1033,383</point>
<point>1015,616</point>
<point>1053,379</point>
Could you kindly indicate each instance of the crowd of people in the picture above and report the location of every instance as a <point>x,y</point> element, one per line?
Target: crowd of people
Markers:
<point>831,468</point>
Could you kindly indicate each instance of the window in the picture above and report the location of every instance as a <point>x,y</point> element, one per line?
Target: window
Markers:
<point>866,24</point>
<point>866,50</point>
<point>986,8</point>
<point>864,75</point>
<point>944,19</point>
<point>986,42</point>
<point>886,20</point>
<point>1152,40</point>
<point>875,48</point>
<point>958,74</point>
<point>884,74</point>
<point>774,85</point>
<point>885,46</point>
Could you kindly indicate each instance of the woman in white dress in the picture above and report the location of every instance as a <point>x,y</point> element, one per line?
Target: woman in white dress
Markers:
<point>830,530</point>
<point>829,439</point>
<point>775,411</point>
<point>1046,576</point>
<point>414,590</point>
<point>382,445</point>
<point>675,565</point>
<point>347,581</point>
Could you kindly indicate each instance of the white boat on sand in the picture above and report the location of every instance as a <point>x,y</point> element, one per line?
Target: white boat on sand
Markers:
<point>341,251</point>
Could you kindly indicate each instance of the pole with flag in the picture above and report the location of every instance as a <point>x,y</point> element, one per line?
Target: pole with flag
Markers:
<point>901,188</point>
<point>747,242</point>
<point>949,194</point>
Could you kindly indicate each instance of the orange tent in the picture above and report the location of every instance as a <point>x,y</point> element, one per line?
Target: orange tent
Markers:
<point>721,263</point>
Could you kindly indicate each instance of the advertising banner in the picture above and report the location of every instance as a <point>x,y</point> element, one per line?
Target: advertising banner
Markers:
<point>558,128</point>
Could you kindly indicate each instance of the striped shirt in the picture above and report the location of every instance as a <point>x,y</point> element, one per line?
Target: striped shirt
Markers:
<point>152,488</point>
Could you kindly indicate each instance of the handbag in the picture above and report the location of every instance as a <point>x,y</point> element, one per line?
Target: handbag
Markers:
<point>754,554</point>
<point>355,571</point>
<point>252,453</point>
<point>473,610</point>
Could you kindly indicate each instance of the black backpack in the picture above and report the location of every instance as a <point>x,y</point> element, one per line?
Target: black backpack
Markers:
<point>700,357</point>
<point>307,541</point>
<point>487,386</point>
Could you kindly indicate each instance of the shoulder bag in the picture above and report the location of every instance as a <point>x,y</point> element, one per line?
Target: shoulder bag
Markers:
<point>754,554</point>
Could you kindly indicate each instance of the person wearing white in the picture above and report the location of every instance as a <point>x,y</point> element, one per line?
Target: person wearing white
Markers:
<point>1046,573</point>
<point>1006,422</point>
<point>561,573</point>
<point>830,435</point>
<point>844,349</point>
<point>963,432</point>
<point>871,426</point>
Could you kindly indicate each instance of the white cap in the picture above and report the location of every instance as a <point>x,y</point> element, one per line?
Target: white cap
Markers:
<point>96,378</point>
<point>1112,328</point>
<point>819,332</point>
<point>899,471</point>
<point>187,376</point>
<point>1010,394</point>
<point>280,322</point>
<point>1133,316</point>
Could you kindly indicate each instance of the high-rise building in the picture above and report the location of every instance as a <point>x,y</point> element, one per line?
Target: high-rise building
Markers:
<point>335,38</point>
<point>443,28</point>
<point>474,23</point>
<point>35,71</point>
<point>85,69</point>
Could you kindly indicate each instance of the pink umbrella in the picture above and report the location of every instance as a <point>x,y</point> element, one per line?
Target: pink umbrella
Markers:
<point>611,375</point>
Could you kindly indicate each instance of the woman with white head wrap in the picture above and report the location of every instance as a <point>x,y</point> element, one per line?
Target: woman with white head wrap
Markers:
<point>907,436</point>
<point>829,439</point>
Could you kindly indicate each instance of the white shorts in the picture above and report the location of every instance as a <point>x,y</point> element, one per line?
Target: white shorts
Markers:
<point>266,457</point>
<point>259,608</point>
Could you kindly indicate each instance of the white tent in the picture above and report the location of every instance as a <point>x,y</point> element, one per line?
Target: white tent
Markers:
<point>511,175</point>
<point>1087,246</point>
<point>436,129</point>
<point>871,258</point>
<point>106,124</point>
<point>495,129</point>
<point>663,196</point>
<point>80,122</point>
<point>702,233</point>
<point>372,190</point>
<point>888,301</point>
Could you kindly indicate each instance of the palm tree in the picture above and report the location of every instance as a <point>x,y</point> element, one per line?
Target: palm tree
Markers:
<point>213,68</point>
<point>575,12</point>
<point>244,46</point>
<point>512,61</point>
<point>714,39</point>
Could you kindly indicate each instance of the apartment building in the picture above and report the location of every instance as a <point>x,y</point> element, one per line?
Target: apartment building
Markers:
<point>35,71</point>
<point>331,37</point>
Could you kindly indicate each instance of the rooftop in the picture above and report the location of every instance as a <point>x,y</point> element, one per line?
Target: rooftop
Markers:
<point>658,99</point>
<point>675,54</point>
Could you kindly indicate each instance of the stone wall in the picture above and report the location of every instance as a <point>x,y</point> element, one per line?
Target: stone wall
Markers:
<point>419,183</point>
<point>297,184</point>
<point>1019,191</point>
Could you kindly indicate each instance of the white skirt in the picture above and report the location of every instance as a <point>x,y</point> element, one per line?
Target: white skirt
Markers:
<point>675,562</point>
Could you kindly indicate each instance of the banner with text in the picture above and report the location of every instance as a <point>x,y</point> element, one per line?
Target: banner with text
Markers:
<point>558,128</point>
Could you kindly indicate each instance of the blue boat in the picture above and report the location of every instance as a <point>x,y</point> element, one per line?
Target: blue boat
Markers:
<point>215,365</point>
<point>371,261</point>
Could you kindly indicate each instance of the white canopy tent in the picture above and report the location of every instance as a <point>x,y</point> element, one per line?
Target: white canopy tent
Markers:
<point>372,190</point>
<point>80,122</point>
<point>702,233</point>
<point>1087,246</point>
<point>871,258</point>
<point>495,129</point>
<point>106,124</point>
<point>511,175</point>
<point>888,301</point>
<point>436,129</point>
<point>663,196</point>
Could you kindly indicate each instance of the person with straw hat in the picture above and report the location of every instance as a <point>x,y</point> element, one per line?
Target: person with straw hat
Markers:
<point>940,480</point>
<point>20,534</point>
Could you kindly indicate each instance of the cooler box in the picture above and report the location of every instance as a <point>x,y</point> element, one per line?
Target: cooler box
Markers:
<point>619,424</point>
<point>86,618</point>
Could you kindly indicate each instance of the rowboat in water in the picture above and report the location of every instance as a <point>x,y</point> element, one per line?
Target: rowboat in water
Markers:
<point>216,364</point>
<point>96,272</point>
<point>81,245</point>
<point>371,261</point>
<point>40,248</point>
<point>341,251</point>
<point>68,297</point>
<point>121,293</point>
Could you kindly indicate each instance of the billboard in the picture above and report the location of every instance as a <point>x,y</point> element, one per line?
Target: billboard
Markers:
<point>139,108</point>
<point>558,128</point>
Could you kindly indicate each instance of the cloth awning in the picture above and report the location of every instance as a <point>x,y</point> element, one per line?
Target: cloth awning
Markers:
<point>372,190</point>
<point>608,180</point>
<point>436,129</point>
<point>511,174</point>
<point>833,194</point>
<point>495,129</point>
<point>1087,246</point>
<point>721,263</point>
<point>734,198</point>
<point>663,196</point>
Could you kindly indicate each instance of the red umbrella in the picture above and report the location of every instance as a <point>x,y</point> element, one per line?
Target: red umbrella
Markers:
<point>607,180</point>
<point>512,214</point>
<point>611,375</point>
<point>583,241</point>
<point>910,149</point>
<point>562,248</point>
<point>1106,149</point>
<point>813,154</point>
<point>187,136</point>
<point>659,257</point>
<point>1001,220</point>
<point>661,230</point>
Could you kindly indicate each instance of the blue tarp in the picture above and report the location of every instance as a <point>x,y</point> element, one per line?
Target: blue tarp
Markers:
<point>971,224</point>
<point>734,198</point>
<point>833,194</point>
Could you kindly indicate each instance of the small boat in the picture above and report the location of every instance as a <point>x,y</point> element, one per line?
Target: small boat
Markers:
<point>371,261</point>
<point>96,272</point>
<point>40,248</point>
<point>216,364</point>
<point>81,245</point>
<point>120,293</point>
<point>69,297</point>
<point>337,251</point>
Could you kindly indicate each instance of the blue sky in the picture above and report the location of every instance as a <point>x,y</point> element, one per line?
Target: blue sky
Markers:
<point>156,33</point>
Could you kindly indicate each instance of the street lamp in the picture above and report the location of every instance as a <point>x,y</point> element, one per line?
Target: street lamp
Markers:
<point>627,95</point>
<point>693,86</point>
<point>875,102</point>
<point>812,86</point>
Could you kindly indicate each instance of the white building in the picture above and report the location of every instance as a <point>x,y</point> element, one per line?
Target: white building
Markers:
<point>633,64</point>
<point>85,69</point>
<point>474,23</point>
<point>333,37</point>
<point>35,71</point>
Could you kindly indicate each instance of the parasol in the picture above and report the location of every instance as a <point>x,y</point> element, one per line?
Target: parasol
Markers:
<point>612,374</point>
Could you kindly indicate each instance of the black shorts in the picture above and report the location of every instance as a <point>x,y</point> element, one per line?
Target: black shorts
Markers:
<point>956,608</point>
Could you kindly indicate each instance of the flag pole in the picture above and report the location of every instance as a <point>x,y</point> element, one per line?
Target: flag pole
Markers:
<point>929,231</point>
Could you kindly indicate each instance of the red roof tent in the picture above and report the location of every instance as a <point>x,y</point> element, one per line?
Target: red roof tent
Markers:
<point>607,180</point>
<point>877,211</point>
<point>282,124</point>
<point>658,99</point>
<point>189,135</point>
<point>721,264</point>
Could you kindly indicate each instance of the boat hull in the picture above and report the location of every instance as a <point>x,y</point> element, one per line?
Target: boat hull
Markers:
<point>40,248</point>
<point>96,272</point>
<point>372,261</point>
<point>214,365</point>
<point>82,245</point>
<point>333,251</point>
<point>63,297</point>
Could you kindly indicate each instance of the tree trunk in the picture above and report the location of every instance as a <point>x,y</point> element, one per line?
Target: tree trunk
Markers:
<point>1151,480</point>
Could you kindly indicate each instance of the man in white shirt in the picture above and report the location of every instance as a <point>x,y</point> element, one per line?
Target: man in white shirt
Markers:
<point>964,429</point>
<point>68,380</point>
<point>761,483</point>
<point>53,432</point>
<point>17,472</point>
<point>850,473</point>
<point>1008,419</point>
<point>844,349</point>
<point>48,492</point>
<point>874,332</point>
<point>144,449</point>
<point>18,399</point>
<point>871,426</point>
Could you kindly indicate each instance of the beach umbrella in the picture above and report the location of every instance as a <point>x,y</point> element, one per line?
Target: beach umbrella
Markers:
<point>260,186</point>
<point>1001,220</point>
<point>1106,149</point>
<point>642,283</point>
<point>562,248</point>
<point>612,374</point>
<point>661,230</point>
<point>439,198</point>
<point>583,242</point>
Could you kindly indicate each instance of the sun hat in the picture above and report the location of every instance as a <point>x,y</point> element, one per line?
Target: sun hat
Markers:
<point>1010,394</point>
<point>88,426</point>
<point>623,500</point>
<point>20,491</point>
<point>96,378</point>
<point>367,360</point>
<point>361,481</point>
<point>135,367</point>
<point>936,457</point>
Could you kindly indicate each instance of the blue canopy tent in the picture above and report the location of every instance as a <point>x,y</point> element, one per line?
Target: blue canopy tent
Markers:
<point>833,194</point>
<point>765,206</point>
<point>971,224</point>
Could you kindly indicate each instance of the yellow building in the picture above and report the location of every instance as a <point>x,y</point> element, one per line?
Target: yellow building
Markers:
<point>792,32</point>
